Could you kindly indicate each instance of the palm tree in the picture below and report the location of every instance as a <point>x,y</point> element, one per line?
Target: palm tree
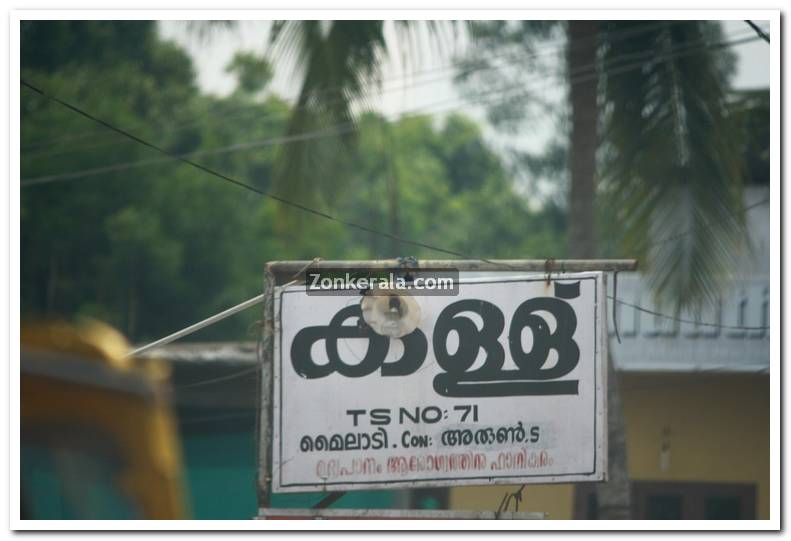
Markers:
<point>583,96</point>
<point>671,170</point>
<point>648,110</point>
<point>613,497</point>
<point>340,63</point>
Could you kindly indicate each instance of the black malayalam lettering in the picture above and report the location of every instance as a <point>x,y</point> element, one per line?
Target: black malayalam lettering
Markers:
<point>471,340</point>
<point>414,349</point>
<point>532,377</point>
<point>530,363</point>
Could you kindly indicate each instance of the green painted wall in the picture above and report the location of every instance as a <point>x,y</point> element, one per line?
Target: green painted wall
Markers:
<point>220,463</point>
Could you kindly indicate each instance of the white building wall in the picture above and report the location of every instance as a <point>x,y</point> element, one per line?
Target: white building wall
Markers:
<point>653,343</point>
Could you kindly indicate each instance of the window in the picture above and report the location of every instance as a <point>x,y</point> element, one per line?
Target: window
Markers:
<point>669,500</point>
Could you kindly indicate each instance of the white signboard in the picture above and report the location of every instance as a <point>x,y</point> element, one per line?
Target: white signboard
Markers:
<point>503,383</point>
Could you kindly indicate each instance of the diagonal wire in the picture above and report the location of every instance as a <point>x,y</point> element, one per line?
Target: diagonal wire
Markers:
<point>464,69</point>
<point>763,35</point>
<point>555,47</point>
<point>689,321</point>
<point>707,224</point>
<point>304,208</point>
<point>333,218</point>
<point>257,367</point>
<point>241,184</point>
<point>484,98</point>
<point>183,158</point>
<point>248,370</point>
<point>249,145</point>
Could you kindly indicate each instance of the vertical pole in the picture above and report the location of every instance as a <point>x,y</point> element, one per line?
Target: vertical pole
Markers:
<point>392,190</point>
<point>581,56</point>
<point>266,377</point>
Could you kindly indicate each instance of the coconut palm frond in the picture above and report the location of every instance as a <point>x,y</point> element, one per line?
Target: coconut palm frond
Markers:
<point>206,31</point>
<point>337,62</point>
<point>336,59</point>
<point>439,37</point>
<point>672,168</point>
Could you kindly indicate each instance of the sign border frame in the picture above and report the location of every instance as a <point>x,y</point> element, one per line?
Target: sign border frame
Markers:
<point>274,354</point>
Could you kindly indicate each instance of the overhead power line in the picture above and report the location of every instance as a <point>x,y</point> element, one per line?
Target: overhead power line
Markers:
<point>585,73</point>
<point>239,183</point>
<point>707,225</point>
<point>510,57</point>
<point>281,200</point>
<point>245,185</point>
<point>555,47</point>
<point>689,321</point>
<point>261,143</point>
<point>259,298</point>
<point>220,379</point>
<point>764,36</point>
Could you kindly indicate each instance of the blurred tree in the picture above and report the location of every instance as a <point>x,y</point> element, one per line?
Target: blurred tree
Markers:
<point>750,109</point>
<point>54,45</point>
<point>339,63</point>
<point>672,166</point>
<point>583,139</point>
<point>639,93</point>
<point>149,245</point>
<point>651,98</point>
<point>253,73</point>
<point>142,259</point>
<point>438,205</point>
<point>62,234</point>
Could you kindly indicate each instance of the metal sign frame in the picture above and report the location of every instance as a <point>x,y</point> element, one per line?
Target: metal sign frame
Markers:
<point>284,272</point>
<point>394,514</point>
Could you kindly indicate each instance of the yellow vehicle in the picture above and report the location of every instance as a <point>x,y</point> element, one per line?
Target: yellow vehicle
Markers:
<point>98,437</point>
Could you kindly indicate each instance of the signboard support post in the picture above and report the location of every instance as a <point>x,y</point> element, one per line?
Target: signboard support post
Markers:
<point>266,374</point>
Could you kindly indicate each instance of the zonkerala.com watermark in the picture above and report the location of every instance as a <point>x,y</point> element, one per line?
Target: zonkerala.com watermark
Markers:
<point>417,282</point>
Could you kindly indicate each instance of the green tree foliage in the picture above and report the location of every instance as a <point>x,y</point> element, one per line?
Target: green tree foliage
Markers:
<point>253,72</point>
<point>340,65</point>
<point>673,139</point>
<point>150,245</point>
<point>750,110</point>
<point>672,167</point>
<point>453,191</point>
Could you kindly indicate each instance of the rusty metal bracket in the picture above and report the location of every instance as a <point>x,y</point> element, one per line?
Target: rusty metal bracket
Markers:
<point>329,499</point>
<point>549,266</point>
<point>615,304</point>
